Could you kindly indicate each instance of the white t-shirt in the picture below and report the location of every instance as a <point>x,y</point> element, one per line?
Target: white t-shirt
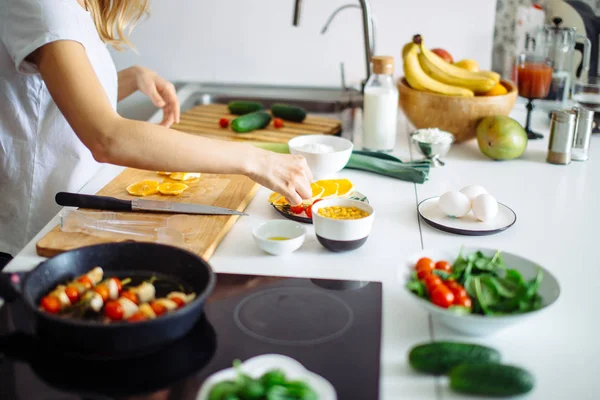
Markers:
<point>40,154</point>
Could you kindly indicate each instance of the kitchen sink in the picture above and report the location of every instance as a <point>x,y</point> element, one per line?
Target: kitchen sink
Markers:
<point>328,102</point>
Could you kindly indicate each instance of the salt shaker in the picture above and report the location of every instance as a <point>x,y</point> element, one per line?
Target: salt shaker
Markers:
<point>582,134</point>
<point>562,128</point>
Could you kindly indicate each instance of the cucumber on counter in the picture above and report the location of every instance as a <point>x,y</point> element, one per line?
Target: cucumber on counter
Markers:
<point>440,357</point>
<point>249,122</point>
<point>244,107</point>
<point>288,113</point>
<point>491,380</point>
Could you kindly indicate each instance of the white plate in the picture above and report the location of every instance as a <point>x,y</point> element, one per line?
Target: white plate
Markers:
<point>476,324</point>
<point>257,366</point>
<point>468,225</point>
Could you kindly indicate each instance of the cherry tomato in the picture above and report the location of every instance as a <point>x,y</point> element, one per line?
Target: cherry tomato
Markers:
<point>131,296</point>
<point>443,266</point>
<point>158,308</point>
<point>51,304</point>
<point>102,291</point>
<point>138,316</point>
<point>86,281</point>
<point>425,263</point>
<point>114,310</point>
<point>463,301</point>
<point>179,301</point>
<point>278,123</point>
<point>119,284</point>
<point>72,293</point>
<point>432,281</point>
<point>223,122</point>
<point>297,209</point>
<point>308,211</point>
<point>456,289</point>
<point>442,297</point>
<point>423,274</point>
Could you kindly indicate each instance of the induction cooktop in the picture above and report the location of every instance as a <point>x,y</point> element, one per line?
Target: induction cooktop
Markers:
<point>332,327</point>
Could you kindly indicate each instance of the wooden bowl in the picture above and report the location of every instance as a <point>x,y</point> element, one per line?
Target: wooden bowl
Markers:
<point>457,115</point>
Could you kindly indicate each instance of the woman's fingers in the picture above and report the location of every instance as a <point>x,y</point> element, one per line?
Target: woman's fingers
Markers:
<point>167,91</point>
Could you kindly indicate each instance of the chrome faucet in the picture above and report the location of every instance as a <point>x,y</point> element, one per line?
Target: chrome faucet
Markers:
<point>368,28</point>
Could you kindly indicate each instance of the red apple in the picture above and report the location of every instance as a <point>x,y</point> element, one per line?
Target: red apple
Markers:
<point>444,54</point>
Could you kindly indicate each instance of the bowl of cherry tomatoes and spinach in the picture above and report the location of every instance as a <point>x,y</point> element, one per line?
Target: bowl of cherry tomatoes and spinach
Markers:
<point>478,291</point>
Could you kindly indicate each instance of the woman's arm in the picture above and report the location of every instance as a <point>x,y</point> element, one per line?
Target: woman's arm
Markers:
<point>75,88</point>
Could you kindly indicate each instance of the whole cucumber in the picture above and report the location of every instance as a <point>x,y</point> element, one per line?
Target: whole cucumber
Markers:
<point>249,122</point>
<point>491,379</point>
<point>239,107</point>
<point>288,113</point>
<point>439,357</point>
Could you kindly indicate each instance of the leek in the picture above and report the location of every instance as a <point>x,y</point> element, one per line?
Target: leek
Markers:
<point>383,164</point>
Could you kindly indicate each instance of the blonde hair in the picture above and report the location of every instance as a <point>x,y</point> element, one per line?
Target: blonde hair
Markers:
<point>115,17</point>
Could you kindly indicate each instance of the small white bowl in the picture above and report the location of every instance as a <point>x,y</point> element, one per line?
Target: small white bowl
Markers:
<point>323,165</point>
<point>342,235</point>
<point>257,366</point>
<point>279,228</point>
<point>475,324</point>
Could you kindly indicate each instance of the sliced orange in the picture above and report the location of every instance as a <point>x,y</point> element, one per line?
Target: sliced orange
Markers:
<point>143,188</point>
<point>345,186</point>
<point>172,188</point>
<point>164,173</point>
<point>277,199</point>
<point>184,176</point>
<point>331,188</point>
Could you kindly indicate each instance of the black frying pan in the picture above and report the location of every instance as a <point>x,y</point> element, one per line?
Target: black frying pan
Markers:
<point>140,261</point>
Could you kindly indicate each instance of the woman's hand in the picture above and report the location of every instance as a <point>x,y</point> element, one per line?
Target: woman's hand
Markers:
<point>285,174</point>
<point>160,91</point>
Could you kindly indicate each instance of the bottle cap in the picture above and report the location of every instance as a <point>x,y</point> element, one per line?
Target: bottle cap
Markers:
<point>383,65</point>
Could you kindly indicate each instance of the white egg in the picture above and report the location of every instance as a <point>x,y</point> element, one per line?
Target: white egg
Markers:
<point>485,207</point>
<point>472,191</point>
<point>455,204</point>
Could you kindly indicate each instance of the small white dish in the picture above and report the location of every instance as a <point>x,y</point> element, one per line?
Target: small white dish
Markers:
<point>292,231</point>
<point>468,225</point>
<point>342,235</point>
<point>323,165</point>
<point>476,324</point>
<point>257,366</point>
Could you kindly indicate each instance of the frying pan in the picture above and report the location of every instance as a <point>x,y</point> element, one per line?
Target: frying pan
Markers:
<point>139,261</point>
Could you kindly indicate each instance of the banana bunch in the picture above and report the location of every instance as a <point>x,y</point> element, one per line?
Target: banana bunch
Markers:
<point>425,70</point>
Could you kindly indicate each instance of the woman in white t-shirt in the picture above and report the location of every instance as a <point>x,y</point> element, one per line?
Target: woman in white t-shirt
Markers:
<point>58,119</point>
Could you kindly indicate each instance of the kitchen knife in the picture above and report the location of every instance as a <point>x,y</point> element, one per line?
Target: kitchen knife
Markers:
<point>114,204</point>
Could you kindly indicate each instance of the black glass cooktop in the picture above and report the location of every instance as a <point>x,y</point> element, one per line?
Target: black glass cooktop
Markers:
<point>332,327</point>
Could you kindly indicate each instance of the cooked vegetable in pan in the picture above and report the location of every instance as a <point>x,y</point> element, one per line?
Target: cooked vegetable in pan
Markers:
<point>64,296</point>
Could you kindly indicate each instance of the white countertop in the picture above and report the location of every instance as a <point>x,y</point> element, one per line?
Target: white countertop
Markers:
<point>555,227</point>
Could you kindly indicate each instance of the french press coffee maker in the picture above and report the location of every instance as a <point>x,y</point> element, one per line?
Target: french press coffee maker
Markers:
<point>557,44</point>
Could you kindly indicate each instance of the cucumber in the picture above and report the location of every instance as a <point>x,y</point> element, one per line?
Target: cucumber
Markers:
<point>439,357</point>
<point>288,113</point>
<point>491,379</point>
<point>249,122</point>
<point>244,107</point>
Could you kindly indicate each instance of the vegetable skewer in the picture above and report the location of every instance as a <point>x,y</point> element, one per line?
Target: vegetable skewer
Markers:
<point>158,307</point>
<point>64,296</point>
<point>112,289</point>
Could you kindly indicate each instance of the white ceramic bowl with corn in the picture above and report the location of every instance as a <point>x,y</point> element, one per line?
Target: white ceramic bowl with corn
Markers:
<point>338,234</point>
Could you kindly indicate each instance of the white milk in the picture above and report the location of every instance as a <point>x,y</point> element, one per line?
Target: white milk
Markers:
<point>379,118</point>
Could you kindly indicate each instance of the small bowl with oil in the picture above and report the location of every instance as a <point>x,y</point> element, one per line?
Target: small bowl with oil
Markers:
<point>279,237</point>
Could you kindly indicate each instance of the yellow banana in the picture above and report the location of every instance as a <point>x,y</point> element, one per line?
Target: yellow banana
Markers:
<point>453,69</point>
<point>418,79</point>
<point>478,84</point>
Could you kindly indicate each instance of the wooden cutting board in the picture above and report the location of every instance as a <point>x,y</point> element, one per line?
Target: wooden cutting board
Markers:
<point>204,120</point>
<point>229,191</point>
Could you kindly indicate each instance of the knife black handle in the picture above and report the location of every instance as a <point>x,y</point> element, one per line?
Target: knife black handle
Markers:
<point>88,201</point>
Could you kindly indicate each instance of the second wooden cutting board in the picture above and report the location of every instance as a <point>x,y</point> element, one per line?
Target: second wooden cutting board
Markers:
<point>229,191</point>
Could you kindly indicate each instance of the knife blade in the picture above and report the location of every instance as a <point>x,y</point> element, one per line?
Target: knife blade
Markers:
<point>113,204</point>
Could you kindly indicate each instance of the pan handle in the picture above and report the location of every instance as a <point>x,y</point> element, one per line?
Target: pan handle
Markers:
<point>9,286</point>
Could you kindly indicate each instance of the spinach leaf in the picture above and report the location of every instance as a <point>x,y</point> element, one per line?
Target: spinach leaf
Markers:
<point>460,310</point>
<point>484,264</point>
<point>469,285</point>
<point>514,276</point>
<point>486,294</point>
<point>503,287</point>
<point>417,287</point>
<point>442,274</point>
<point>534,284</point>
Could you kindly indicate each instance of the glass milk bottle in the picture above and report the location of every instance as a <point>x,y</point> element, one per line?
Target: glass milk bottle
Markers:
<point>380,107</point>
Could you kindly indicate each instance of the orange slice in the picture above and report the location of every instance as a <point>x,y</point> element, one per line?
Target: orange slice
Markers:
<point>164,173</point>
<point>143,188</point>
<point>345,186</point>
<point>184,176</point>
<point>331,188</point>
<point>277,199</point>
<point>172,188</point>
